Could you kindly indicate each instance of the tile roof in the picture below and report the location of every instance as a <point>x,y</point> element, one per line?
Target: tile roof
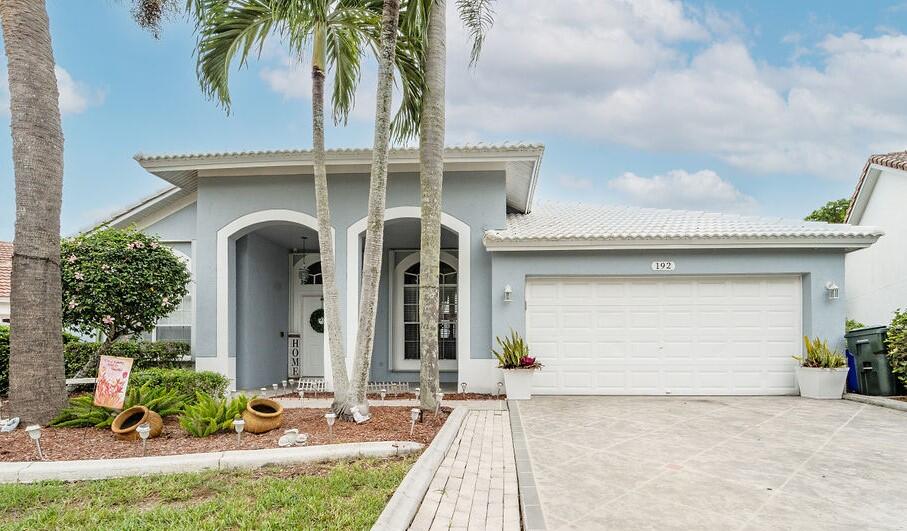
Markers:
<point>555,222</point>
<point>6,268</point>
<point>465,148</point>
<point>896,160</point>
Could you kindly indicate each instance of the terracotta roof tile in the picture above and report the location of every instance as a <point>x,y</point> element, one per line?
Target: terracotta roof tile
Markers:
<point>6,268</point>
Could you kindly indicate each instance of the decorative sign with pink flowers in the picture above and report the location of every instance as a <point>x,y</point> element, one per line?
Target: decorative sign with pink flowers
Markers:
<point>113,378</point>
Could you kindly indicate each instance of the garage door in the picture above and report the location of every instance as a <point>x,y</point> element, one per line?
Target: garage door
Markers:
<point>677,335</point>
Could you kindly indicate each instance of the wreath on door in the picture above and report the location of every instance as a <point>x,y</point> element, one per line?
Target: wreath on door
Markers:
<point>316,320</point>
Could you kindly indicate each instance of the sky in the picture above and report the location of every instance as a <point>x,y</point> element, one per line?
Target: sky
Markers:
<point>762,107</point>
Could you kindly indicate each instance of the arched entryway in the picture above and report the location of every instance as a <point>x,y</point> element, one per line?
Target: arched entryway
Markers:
<point>262,298</point>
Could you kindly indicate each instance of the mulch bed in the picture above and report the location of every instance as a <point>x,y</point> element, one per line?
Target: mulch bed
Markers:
<point>63,444</point>
<point>400,396</point>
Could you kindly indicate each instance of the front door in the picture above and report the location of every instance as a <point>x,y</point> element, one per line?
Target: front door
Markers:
<point>312,327</point>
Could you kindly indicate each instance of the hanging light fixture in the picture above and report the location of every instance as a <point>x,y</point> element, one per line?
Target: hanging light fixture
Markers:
<point>303,271</point>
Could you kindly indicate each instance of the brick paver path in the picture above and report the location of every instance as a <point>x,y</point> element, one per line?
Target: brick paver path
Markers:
<point>476,485</point>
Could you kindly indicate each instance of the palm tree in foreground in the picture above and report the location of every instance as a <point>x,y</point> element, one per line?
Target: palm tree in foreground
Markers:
<point>36,344</point>
<point>337,32</point>
<point>476,15</point>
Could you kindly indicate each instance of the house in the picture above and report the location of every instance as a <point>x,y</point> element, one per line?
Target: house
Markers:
<point>613,300</point>
<point>6,272</point>
<point>877,276</point>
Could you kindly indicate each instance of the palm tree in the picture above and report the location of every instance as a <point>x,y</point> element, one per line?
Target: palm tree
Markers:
<point>338,32</point>
<point>476,15</point>
<point>36,346</point>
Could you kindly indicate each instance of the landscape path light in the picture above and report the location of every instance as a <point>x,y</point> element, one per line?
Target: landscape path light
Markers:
<point>440,397</point>
<point>330,418</point>
<point>144,430</point>
<point>414,416</point>
<point>239,425</point>
<point>283,384</point>
<point>463,386</point>
<point>301,394</point>
<point>34,432</point>
<point>274,387</point>
<point>383,394</point>
<point>500,389</point>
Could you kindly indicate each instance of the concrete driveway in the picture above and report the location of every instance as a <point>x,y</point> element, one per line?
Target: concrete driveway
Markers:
<point>715,463</point>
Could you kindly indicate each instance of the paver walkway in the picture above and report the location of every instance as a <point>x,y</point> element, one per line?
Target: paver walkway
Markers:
<point>476,485</point>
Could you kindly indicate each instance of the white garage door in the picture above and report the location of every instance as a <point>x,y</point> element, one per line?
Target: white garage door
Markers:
<point>677,335</point>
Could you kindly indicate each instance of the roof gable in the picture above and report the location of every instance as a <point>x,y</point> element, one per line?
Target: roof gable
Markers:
<point>866,183</point>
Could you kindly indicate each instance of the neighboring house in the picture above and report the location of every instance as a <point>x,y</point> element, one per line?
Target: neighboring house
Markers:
<point>877,276</point>
<point>6,272</point>
<point>612,300</point>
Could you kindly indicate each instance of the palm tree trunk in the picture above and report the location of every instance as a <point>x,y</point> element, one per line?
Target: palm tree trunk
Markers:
<point>36,343</point>
<point>374,232</point>
<point>431,158</point>
<point>325,242</point>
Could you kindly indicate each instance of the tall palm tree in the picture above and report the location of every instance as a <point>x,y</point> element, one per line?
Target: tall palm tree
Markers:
<point>476,15</point>
<point>374,230</point>
<point>337,32</point>
<point>36,345</point>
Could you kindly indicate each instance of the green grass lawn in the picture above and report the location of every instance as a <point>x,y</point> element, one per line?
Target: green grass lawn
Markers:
<point>330,496</point>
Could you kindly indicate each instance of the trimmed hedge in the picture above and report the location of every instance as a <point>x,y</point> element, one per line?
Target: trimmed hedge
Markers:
<point>185,381</point>
<point>145,353</point>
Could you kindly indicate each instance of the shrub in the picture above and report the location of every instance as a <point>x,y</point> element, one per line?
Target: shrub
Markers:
<point>144,353</point>
<point>186,382</point>
<point>852,324</point>
<point>819,355</point>
<point>82,412</point>
<point>896,343</point>
<point>514,353</point>
<point>68,339</point>
<point>210,415</point>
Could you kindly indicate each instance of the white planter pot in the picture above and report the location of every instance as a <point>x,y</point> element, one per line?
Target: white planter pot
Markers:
<point>518,383</point>
<point>827,384</point>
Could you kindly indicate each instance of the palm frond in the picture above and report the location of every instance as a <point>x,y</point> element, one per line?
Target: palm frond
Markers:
<point>478,17</point>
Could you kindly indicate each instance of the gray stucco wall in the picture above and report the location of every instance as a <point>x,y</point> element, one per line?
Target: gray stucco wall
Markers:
<point>476,198</point>
<point>261,312</point>
<point>821,317</point>
<point>179,226</point>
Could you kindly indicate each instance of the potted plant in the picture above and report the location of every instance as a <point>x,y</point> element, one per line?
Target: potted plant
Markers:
<point>822,371</point>
<point>517,364</point>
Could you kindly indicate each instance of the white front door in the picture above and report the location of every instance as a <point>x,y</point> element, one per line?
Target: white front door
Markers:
<point>312,339</point>
<point>710,335</point>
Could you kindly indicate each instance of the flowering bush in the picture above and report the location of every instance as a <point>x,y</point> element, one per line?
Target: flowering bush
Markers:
<point>119,282</point>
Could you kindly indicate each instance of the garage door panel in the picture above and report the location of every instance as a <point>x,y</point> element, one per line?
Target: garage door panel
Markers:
<point>683,335</point>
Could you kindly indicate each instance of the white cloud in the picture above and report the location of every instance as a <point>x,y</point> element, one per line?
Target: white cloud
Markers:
<point>76,96</point>
<point>610,71</point>
<point>701,190</point>
<point>572,182</point>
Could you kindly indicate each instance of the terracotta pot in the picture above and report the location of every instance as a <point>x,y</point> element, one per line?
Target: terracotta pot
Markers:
<point>262,415</point>
<point>125,423</point>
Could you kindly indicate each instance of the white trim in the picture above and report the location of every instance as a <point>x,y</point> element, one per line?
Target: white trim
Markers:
<point>223,362</point>
<point>168,211</point>
<point>397,363</point>
<point>464,285</point>
<point>868,185</point>
<point>834,242</point>
<point>136,209</point>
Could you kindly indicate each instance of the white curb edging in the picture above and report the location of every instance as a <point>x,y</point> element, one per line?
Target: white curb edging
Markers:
<point>29,472</point>
<point>880,401</point>
<point>404,504</point>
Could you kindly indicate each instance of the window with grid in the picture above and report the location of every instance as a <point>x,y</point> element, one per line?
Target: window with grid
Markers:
<point>447,313</point>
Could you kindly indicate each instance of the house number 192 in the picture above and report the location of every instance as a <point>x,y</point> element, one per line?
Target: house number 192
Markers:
<point>662,266</point>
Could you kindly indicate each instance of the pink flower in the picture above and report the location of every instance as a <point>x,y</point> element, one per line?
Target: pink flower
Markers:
<point>72,258</point>
<point>154,245</point>
<point>527,361</point>
<point>105,267</point>
<point>79,275</point>
<point>73,304</point>
<point>108,320</point>
<point>166,300</point>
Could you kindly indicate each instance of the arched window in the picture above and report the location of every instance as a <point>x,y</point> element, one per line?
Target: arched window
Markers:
<point>408,319</point>
<point>314,276</point>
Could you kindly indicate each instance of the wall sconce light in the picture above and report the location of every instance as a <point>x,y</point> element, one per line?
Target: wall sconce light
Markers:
<point>508,293</point>
<point>832,290</point>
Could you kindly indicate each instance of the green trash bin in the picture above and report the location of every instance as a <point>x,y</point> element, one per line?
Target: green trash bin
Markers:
<point>871,362</point>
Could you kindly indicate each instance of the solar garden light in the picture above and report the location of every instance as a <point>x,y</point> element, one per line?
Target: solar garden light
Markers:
<point>34,432</point>
<point>383,394</point>
<point>292,382</point>
<point>283,384</point>
<point>417,392</point>
<point>330,418</point>
<point>301,394</point>
<point>264,390</point>
<point>274,387</point>
<point>414,416</point>
<point>500,389</point>
<point>440,397</point>
<point>239,425</point>
<point>463,386</point>
<point>144,430</point>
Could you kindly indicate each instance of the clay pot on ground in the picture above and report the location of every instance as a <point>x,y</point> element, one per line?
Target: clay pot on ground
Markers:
<point>125,423</point>
<point>262,414</point>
